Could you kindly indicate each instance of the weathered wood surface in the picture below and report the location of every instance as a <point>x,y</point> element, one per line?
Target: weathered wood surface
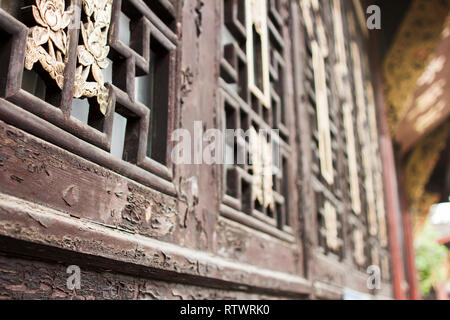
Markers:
<point>139,225</point>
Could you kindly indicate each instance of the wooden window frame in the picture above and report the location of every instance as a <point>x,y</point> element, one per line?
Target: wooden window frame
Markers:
<point>251,106</point>
<point>54,123</point>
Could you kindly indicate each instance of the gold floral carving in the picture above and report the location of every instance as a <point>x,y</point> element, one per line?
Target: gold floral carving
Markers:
<point>331,225</point>
<point>262,165</point>
<point>47,43</point>
<point>92,56</point>
<point>52,19</point>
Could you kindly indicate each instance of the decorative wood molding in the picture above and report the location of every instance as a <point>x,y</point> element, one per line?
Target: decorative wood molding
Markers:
<point>189,265</point>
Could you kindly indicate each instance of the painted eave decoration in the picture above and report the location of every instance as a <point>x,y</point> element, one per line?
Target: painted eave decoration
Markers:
<point>415,69</point>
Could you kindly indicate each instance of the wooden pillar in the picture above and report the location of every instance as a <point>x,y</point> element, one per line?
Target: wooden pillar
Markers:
<point>413,281</point>
<point>389,174</point>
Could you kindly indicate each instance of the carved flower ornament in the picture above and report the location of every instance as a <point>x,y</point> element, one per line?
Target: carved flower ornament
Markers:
<point>92,56</point>
<point>52,19</point>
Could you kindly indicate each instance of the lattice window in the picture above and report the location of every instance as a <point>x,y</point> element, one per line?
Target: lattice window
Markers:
<point>372,218</point>
<point>364,137</point>
<point>328,147</point>
<point>253,97</point>
<point>92,68</point>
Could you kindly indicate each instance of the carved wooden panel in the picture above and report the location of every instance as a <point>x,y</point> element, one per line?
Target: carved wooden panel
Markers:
<point>328,147</point>
<point>352,160</point>
<point>257,50</point>
<point>344,91</point>
<point>336,64</point>
<point>253,94</point>
<point>331,226</point>
<point>359,245</point>
<point>379,188</point>
<point>69,69</point>
<point>323,118</point>
<point>364,136</point>
<point>373,217</point>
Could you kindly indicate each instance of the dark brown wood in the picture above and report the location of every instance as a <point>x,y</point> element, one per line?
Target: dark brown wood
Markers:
<point>389,178</point>
<point>187,230</point>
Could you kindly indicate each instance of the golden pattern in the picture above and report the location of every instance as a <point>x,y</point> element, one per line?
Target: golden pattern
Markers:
<point>323,118</point>
<point>48,43</point>
<point>256,17</point>
<point>365,139</point>
<point>411,53</point>
<point>92,56</point>
<point>52,20</point>
<point>331,225</point>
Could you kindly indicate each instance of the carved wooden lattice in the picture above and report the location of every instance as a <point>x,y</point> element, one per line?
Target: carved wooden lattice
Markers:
<point>75,52</point>
<point>364,136</point>
<point>326,122</point>
<point>357,234</point>
<point>345,95</point>
<point>359,244</point>
<point>371,219</point>
<point>52,20</point>
<point>331,226</point>
<point>253,95</point>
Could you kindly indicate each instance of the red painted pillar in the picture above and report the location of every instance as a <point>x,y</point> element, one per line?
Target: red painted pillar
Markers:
<point>409,243</point>
<point>389,174</point>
